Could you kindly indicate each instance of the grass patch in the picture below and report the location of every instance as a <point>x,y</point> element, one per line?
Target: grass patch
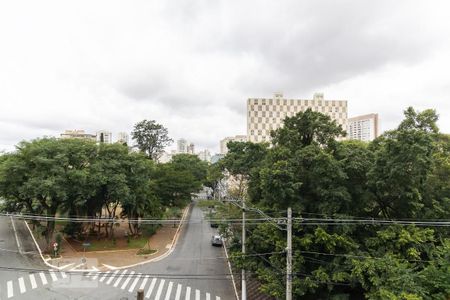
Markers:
<point>146,251</point>
<point>101,245</point>
<point>207,203</point>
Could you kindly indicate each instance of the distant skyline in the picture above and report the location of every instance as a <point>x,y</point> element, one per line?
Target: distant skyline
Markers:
<point>191,65</point>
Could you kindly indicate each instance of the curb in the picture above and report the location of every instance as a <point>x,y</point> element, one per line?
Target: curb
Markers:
<point>39,248</point>
<point>231,271</point>
<point>172,247</point>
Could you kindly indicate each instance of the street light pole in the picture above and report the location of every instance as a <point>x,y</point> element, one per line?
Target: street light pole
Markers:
<point>289,256</point>
<point>244,283</point>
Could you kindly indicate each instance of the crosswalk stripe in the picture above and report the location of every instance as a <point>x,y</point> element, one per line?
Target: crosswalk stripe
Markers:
<point>22,285</point>
<point>112,277</point>
<point>188,293</point>
<point>158,293</point>
<point>9,287</point>
<point>217,298</point>
<point>52,274</point>
<point>33,281</point>
<point>43,278</point>
<point>169,291</point>
<point>120,278</point>
<point>144,282</point>
<point>133,285</point>
<point>96,276</point>
<point>63,275</point>
<point>104,276</point>
<point>150,289</point>
<point>124,285</point>
<point>178,294</point>
<point>208,296</point>
<point>197,294</point>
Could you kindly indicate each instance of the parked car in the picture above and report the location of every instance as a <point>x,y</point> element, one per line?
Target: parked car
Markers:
<point>216,240</point>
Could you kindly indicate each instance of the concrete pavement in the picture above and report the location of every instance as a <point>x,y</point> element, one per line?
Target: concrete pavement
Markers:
<point>194,270</point>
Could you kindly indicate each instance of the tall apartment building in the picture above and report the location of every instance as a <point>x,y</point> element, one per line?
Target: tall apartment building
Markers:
<point>204,155</point>
<point>224,142</point>
<point>363,128</point>
<point>122,138</point>
<point>78,134</point>
<point>183,146</point>
<point>104,136</point>
<point>267,114</point>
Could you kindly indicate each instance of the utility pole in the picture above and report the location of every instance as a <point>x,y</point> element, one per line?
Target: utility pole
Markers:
<point>244,283</point>
<point>289,256</point>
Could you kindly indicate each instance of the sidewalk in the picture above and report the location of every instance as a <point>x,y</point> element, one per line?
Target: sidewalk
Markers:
<point>161,241</point>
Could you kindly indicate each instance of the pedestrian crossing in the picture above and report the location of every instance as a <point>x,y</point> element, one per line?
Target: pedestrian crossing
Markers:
<point>28,282</point>
<point>155,288</point>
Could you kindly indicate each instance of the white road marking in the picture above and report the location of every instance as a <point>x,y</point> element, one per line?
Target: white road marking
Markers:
<point>169,291</point>
<point>188,293</point>
<point>208,296</point>
<point>133,285</point>
<point>178,294</point>
<point>22,285</point>
<point>104,276</point>
<point>96,276</point>
<point>9,287</point>
<point>124,285</point>
<point>150,289</point>
<point>197,295</point>
<point>15,233</point>
<point>158,293</point>
<point>66,266</point>
<point>43,278</point>
<point>53,275</point>
<point>144,282</point>
<point>217,298</point>
<point>33,281</point>
<point>112,277</point>
<point>63,274</point>
<point>120,278</point>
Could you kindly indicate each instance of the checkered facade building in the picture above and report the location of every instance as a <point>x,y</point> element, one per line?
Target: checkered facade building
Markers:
<point>267,114</point>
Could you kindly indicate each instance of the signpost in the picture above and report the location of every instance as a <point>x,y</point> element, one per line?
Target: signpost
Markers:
<point>83,260</point>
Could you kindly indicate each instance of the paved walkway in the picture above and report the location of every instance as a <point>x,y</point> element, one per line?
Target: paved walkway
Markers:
<point>161,241</point>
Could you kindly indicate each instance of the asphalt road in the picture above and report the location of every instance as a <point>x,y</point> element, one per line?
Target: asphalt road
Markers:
<point>195,270</point>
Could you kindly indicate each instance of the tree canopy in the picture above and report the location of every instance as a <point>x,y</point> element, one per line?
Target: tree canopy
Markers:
<point>402,175</point>
<point>151,138</point>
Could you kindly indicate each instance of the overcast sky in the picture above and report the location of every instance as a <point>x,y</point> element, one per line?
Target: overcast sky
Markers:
<point>191,65</point>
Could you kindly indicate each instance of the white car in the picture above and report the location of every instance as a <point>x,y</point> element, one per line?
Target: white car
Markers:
<point>216,240</point>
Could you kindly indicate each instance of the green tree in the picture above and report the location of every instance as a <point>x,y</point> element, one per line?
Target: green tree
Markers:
<point>151,138</point>
<point>214,177</point>
<point>307,128</point>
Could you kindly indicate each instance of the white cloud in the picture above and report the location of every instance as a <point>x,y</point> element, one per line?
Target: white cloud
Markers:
<point>191,65</point>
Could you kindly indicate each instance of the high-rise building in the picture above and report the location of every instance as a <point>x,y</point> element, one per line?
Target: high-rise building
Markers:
<point>182,146</point>
<point>104,136</point>
<point>363,128</point>
<point>77,134</point>
<point>122,138</point>
<point>267,114</point>
<point>204,155</point>
<point>224,142</point>
<point>191,148</point>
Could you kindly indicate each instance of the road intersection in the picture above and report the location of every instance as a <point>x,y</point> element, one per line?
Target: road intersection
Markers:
<point>193,271</point>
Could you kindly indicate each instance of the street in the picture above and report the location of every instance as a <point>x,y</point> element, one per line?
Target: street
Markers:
<point>194,270</point>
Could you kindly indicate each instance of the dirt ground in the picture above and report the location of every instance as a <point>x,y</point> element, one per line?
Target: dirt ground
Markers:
<point>161,241</point>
